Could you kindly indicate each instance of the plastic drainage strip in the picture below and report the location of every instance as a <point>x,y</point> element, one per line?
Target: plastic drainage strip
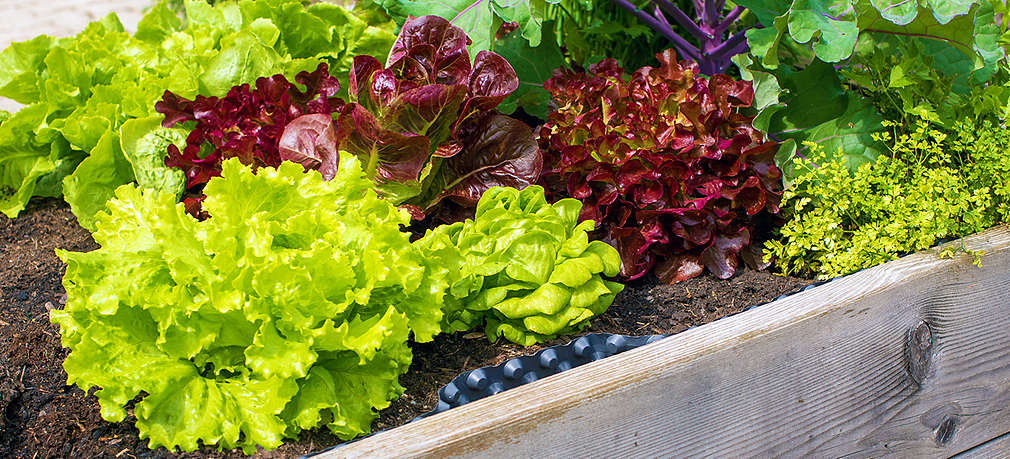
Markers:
<point>483,382</point>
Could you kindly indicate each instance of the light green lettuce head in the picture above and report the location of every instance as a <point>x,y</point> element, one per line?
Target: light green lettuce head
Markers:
<point>289,308</point>
<point>523,267</point>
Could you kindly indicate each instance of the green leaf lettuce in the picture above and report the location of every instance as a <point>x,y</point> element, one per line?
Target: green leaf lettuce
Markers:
<point>288,309</point>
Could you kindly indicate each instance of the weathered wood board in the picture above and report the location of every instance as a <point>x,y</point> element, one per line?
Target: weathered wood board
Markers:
<point>910,358</point>
<point>997,448</point>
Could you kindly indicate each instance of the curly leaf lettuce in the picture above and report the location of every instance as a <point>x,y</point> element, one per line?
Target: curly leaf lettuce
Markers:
<point>290,308</point>
<point>523,267</point>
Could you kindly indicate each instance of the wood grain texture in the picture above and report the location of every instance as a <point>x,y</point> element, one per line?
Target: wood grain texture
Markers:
<point>910,358</point>
<point>997,448</point>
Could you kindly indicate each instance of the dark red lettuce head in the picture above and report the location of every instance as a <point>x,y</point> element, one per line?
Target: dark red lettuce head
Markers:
<point>666,164</point>
<point>246,123</point>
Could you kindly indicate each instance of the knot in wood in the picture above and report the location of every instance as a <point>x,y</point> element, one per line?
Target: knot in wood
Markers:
<point>918,351</point>
<point>945,431</point>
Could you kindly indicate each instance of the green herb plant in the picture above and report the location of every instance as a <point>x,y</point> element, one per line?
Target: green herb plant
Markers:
<point>931,184</point>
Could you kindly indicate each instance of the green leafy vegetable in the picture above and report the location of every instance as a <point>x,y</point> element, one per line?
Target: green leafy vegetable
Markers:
<point>479,19</point>
<point>533,67</point>
<point>290,308</point>
<point>930,185</point>
<point>82,89</point>
<point>526,268</point>
<point>802,97</point>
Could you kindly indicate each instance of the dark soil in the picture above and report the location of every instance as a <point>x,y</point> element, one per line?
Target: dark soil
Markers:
<point>40,416</point>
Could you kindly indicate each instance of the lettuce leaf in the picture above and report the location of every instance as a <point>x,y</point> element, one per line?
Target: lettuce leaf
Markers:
<point>289,309</point>
<point>523,268</point>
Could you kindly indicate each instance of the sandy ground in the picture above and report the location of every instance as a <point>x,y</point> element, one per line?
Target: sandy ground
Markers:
<point>22,20</point>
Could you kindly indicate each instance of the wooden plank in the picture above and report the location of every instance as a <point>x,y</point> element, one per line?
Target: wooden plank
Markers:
<point>910,358</point>
<point>997,448</point>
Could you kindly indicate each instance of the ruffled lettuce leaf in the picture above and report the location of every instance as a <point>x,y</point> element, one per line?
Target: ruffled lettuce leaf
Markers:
<point>289,309</point>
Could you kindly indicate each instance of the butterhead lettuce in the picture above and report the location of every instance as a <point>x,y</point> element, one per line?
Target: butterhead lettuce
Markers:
<point>523,268</point>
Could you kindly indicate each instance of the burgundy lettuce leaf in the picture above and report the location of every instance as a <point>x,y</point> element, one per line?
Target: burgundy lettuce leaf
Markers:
<point>311,140</point>
<point>429,111</point>
<point>491,81</point>
<point>673,173</point>
<point>359,82</point>
<point>496,150</point>
<point>430,50</point>
<point>386,155</point>
<point>246,123</point>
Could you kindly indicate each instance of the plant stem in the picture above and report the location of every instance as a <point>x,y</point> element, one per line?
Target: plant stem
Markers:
<point>711,14</point>
<point>728,45</point>
<point>679,42</point>
<point>730,18</point>
<point>683,19</point>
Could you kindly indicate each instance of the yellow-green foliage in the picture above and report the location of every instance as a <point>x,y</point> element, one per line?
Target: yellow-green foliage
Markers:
<point>933,185</point>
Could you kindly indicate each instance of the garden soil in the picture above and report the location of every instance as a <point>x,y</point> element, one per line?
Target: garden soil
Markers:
<point>40,416</point>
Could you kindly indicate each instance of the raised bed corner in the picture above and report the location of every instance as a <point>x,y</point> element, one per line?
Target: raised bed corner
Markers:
<point>910,358</point>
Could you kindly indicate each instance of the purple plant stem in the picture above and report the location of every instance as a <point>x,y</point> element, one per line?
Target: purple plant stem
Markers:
<point>660,17</point>
<point>683,19</point>
<point>710,16</point>
<point>733,42</point>
<point>714,53</point>
<point>730,18</point>
<point>682,45</point>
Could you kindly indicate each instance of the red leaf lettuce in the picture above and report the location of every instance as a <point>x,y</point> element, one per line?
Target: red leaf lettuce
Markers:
<point>668,167</point>
<point>245,124</point>
<point>424,125</point>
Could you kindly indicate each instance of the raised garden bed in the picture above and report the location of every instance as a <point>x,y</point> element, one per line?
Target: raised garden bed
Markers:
<point>782,371</point>
<point>275,298</point>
